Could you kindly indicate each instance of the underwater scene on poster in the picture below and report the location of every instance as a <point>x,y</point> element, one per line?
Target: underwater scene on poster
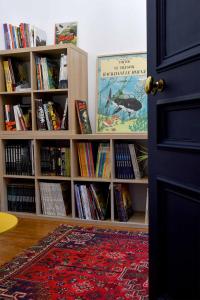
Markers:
<point>121,99</point>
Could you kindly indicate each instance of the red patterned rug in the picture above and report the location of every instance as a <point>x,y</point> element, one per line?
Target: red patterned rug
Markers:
<point>80,263</point>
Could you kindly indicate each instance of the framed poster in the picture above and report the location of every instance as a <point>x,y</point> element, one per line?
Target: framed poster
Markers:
<point>121,99</point>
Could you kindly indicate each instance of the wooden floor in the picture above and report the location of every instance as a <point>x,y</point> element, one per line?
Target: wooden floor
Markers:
<point>28,232</point>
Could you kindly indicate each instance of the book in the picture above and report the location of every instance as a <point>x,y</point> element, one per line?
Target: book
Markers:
<point>83,117</point>
<point>134,160</point>
<point>63,76</point>
<point>64,121</point>
<point>6,36</point>
<point>52,73</point>
<point>66,33</point>
<point>38,37</point>
<point>123,202</point>
<point>40,115</point>
<point>9,118</point>
<point>7,75</point>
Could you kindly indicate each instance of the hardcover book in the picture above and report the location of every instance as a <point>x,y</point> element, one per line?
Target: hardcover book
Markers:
<point>83,118</point>
<point>66,33</point>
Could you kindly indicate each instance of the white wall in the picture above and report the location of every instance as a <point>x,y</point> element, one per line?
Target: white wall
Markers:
<point>104,26</point>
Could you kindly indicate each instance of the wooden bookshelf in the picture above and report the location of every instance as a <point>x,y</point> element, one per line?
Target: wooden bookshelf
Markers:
<point>77,89</point>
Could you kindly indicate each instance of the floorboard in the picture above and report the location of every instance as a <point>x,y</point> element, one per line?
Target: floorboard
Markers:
<point>28,232</point>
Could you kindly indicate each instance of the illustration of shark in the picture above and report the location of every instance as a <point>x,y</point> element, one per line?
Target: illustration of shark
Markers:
<point>123,102</point>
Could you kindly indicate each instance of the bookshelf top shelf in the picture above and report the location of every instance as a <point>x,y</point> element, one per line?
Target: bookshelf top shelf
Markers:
<point>43,49</point>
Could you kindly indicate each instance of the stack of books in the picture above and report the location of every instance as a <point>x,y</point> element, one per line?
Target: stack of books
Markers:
<point>53,198</point>
<point>22,36</point>
<point>21,197</point>
<point>55,161</point>
<point>91,201</point>
<point>19,158</point>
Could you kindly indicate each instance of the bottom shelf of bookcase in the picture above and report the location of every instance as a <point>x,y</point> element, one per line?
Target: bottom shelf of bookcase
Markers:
<point>136,221</point>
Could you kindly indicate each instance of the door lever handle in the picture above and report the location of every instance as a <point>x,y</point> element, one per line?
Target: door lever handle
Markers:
<point>152,86</point>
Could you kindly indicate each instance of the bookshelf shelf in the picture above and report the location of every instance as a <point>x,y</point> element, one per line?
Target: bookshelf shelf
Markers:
<point>19,176</point>
<point>77,89</point>
<point>134,181</point>
<point>53,91</point>
<point>138,218</point>
<point>91,179</point>
<point>59,178</point>
<point>16,93</point>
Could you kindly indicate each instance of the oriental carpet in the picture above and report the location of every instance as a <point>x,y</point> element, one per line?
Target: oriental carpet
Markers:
<point>81,264</point>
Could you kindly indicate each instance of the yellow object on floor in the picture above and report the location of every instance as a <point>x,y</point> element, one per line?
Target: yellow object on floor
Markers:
<point>7,221</point>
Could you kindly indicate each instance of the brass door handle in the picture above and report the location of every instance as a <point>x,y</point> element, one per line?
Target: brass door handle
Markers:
<point>152,86</point>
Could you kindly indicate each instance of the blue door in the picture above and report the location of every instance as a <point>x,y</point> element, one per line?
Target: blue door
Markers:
<point>174,148</point>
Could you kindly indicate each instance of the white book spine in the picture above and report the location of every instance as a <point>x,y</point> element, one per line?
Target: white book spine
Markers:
<point>134,161</point>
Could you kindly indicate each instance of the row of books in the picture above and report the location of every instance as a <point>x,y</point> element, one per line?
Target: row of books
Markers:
<point>22,36</point>
<point>50,115</point>
<point>19,158</point>
<point>123,202</point>
<point>91,201</point>
<point>54,199</point>
<point>17,117</point>
<point>21,197</point>
<point>126,162</point>
<point>16,75</point>
<point>87,160</point>
<point>55,161</point>
<point>51,73</point>
<point>103,166</point>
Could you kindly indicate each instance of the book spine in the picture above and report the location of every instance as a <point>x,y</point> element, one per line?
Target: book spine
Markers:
<point>6,36</point>
<point>47,116</point>
<point>7,74</point>
<point>40,115</point>
<point>134,161</point>
<point>64,122</point>
<point>21,117</point>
